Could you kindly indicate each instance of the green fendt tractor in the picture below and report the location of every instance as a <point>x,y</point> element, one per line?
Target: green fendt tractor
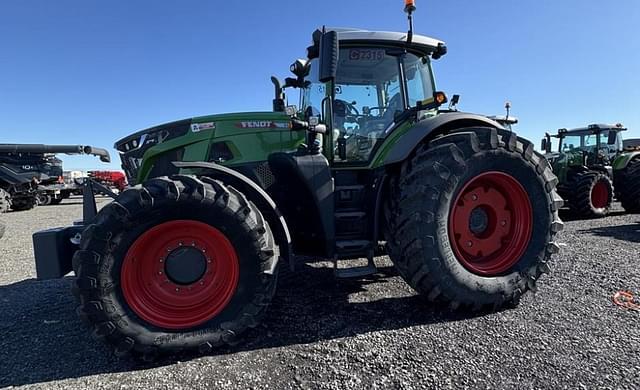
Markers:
<point>590,163</point>
<point>188,258</point>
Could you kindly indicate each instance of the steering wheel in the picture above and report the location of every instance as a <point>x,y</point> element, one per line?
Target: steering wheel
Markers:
<point>342,106</point>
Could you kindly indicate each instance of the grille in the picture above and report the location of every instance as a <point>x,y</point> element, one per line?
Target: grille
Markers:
<point>264,174</point>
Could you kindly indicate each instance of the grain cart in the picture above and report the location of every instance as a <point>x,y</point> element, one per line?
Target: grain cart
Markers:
<point>588,162</point>
<point>26,168</point>
<point>188,258</point>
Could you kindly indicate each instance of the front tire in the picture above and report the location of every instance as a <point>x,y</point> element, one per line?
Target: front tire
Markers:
<point>471,218</point>
<point>177,264</point>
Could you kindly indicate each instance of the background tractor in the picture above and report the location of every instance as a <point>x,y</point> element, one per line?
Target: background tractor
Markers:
<point>188,258</point>
<point>593,164</point>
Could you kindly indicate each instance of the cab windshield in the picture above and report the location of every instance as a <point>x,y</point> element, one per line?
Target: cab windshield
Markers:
<point>585,142</point>
<point>368,95</point>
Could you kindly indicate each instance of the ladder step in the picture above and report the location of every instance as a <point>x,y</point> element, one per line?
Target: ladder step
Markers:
<point>355,272</point>
<point>350,214</point>
<point>349,246</point>
<point>349,197</point>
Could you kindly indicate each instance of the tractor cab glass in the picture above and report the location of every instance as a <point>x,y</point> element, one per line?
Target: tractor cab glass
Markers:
<point>588,142</point>
<point>368,96</point>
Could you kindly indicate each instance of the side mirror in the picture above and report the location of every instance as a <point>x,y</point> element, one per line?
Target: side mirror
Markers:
<point>543,145</point>
<point>613,137</point>
<point>300,68</point>
<point>328,66</point>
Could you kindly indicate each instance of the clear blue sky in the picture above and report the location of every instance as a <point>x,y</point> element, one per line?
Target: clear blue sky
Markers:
<point>90,72</point>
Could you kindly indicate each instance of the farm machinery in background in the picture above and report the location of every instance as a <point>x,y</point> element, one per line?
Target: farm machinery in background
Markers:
<point>115,180</point>
<point>31,174</point>
<point>594,164</point>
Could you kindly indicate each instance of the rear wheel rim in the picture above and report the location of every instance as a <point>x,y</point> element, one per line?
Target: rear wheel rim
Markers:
<point>600,195</point>
<point>491,223</point>
<point>173,298</point>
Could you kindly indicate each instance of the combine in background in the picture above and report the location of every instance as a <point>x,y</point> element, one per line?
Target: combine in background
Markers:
<point>31,174</point>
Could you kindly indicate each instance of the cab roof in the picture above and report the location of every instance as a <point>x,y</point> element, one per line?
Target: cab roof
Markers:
<point>419,43</point>
<point>591,128</point>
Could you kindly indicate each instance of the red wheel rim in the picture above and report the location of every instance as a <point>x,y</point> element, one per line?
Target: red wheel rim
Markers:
<point>160,300</point>
<point>491,223</point>
<point>600,195</point>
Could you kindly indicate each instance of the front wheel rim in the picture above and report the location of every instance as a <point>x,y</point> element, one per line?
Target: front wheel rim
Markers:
<point>600,195</point>
<point>161,292</point>
<point>490,223</point>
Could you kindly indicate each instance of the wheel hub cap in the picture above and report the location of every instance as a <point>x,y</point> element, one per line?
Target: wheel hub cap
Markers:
<point>185,265</point>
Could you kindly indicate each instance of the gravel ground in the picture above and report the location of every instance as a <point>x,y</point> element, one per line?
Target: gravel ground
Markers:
<point>375,333</point>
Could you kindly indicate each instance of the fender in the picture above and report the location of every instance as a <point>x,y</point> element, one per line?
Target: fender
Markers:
<point>427,128</point>
<point>255,194</point>
<point>623,160</point>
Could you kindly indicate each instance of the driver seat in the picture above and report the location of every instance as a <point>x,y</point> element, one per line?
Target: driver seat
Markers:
<point>395,105</point>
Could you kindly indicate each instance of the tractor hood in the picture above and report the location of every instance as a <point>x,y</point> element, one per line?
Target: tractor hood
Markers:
<point>151,152</point>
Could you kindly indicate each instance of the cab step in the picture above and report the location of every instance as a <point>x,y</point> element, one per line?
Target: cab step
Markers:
<point>349,249</point>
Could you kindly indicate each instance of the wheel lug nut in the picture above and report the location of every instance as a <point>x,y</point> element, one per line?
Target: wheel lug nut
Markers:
<point>469,244</point>
<point>474,197</point>
<point>503,223</point>
<point>177,290</point>
<point>159,272</point>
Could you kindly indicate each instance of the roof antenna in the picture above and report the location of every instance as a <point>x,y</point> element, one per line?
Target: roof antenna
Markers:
<point>409,7</point>
<point>507,107</point>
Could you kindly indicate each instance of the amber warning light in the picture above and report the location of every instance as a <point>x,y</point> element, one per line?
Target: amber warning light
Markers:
<point>409,6</point>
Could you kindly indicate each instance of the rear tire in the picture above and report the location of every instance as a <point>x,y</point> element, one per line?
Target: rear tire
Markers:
<point>425,231</point>
<point>126,278</point>
<point>590,194</point>
<point>629,187</point>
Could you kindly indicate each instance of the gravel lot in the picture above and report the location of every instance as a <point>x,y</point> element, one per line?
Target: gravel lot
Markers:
<point>376,333</point>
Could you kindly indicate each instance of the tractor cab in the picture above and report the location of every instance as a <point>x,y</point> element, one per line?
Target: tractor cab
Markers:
<point>596,143</point>
<point>379,79</point>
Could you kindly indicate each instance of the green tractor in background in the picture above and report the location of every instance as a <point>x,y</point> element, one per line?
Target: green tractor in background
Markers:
<point>188,259</point>
<point>594,164</point>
